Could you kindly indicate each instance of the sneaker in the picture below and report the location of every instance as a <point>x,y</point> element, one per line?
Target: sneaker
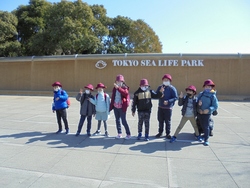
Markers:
<point>199,138</point>
<point>146,138</point>
<point>88,133</point>
<point>158,135</point>
<point>97,132</point>
<point>106,134</point>
<point>128,137</point>
<point>139,136</point>
<point>59,131</point>
<point>67,131</point>
<point>211,133</point>
<point>173,139</point>
<point>168,136</point>
<point>119,136</point>
<point>77,134</point>
<point>206,143</point>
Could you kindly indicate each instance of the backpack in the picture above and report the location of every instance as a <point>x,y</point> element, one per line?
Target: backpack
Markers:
<point>68,100</point>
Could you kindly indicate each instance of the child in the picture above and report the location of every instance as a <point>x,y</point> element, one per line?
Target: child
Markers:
<point>119,102</point>
<point>189,111</point>
<point>87,109</point>
<point>207,104</point>
<point>102,103</point>
<point>59,105</point>
<point>142,101</point>
<point>165,106</point>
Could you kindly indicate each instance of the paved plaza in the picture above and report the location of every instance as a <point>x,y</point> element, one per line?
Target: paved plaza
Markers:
<point>33,156</point>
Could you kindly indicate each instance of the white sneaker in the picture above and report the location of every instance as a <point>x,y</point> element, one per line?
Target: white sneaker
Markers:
<point>128,137</point>
<point>119,136</point>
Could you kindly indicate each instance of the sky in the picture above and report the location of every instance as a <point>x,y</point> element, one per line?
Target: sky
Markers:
<point>183,26</point>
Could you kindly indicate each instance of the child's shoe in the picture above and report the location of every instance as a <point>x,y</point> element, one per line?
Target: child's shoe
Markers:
<point>139,136</point>
<point>199,138</point>
<point>119,136</point>
<point>59,131</point>
<point>77,134</point>
<point>97,132</point>
<point>128,137</point>
<point>67,131</point>
<point>106,134</point>
<point>206,143</point>
<point>173,139</point>
<point>146,137</point>
<point>88,133</point>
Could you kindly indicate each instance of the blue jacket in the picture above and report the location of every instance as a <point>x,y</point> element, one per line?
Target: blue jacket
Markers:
<point>170,95</point>
<point>62,102</point>
<point>209,101</point>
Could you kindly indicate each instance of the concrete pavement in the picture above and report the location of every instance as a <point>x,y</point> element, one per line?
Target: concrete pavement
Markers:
<point>33,156</point>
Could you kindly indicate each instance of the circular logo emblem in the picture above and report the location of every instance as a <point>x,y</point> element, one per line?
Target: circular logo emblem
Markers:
<point>100,64</point>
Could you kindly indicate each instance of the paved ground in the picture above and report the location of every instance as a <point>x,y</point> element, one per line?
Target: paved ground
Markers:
<point>33,156</point>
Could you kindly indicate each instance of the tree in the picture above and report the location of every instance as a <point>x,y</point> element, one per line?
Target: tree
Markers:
<point>128,36</point>
<point>30,22</point>
<point>142,38</point>
<point>9,45</point>
<point>119,29</point>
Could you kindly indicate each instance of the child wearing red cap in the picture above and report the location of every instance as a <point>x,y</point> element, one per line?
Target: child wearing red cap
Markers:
<point>142,101</point>
<point>165,106</point>
<point>102,104</point>
<point>87,108</point>
<point>119,102</point>
<point>60,105</point>
<point>189,111</point>
<point>207,104</point>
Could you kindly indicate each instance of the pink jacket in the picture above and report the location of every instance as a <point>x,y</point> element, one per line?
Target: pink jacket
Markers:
<point>124,90</point>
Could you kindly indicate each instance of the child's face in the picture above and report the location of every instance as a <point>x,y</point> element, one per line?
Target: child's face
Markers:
<point>118,83</point>
<point>56,88</point>
<point>190,92</point>
<point>208,87</point>
<point>100,89</point>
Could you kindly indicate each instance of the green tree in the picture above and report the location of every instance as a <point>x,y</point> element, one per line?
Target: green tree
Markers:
<point>30,22</point>
<point>128,36</point>
<point>9,44</point>
<point>71,28</point>
<point>142,38</point>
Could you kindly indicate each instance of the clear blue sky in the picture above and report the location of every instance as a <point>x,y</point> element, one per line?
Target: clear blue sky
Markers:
<point>183,26</point>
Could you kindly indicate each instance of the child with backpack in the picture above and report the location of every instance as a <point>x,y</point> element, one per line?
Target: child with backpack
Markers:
<point>142,101</point>
<point>189,111</point>
<point>207,104</point>
<point>87,108</point>
<point>60,105</point>
<point>102,104</point>
<point>119,102</point>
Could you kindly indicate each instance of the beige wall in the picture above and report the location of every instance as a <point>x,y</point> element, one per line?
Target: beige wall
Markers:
<point>229,72</point>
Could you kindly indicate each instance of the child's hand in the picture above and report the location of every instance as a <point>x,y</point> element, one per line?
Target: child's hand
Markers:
<point>181,95</point>
<point>200,103</point>
<point>165,103</point>
<point>116,86</point>
<point>162,89</point>
<point>205,111</point>
<point>53,111</point>
<point>81,91</point>
<point>57,98</point>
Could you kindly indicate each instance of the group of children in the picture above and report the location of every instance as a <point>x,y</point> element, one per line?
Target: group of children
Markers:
<point>101,104</point>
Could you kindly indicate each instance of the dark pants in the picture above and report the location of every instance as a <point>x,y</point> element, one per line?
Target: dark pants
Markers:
<point>143,117</point>
<point>120,115</point>
<point>205,124</point>
<point>81,122</point>
<point>164,116</point>
<point>62,114</point>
